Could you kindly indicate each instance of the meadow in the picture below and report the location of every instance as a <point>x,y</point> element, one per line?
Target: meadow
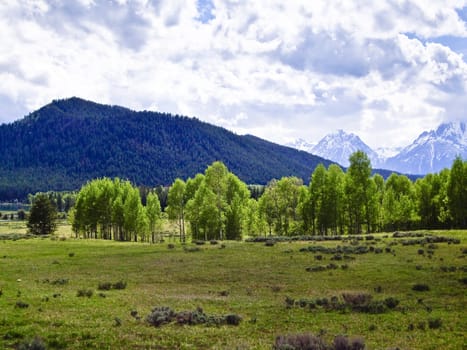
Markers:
<point>393,292</point>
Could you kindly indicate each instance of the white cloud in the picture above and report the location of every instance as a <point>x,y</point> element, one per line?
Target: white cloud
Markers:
<point>276,69</point>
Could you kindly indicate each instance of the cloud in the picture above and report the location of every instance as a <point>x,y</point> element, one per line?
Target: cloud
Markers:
<point>280,70</point>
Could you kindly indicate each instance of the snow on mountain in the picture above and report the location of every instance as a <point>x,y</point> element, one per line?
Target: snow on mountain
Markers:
<point>340,145</point>
<point>387,152</point>
<point>301,145</point>
<point>432,151</point>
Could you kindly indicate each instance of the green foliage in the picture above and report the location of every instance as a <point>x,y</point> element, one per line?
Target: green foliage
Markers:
<point>457,193</point>
<point>42,217</point>
<point>112,209</point>
<point>69,142</point>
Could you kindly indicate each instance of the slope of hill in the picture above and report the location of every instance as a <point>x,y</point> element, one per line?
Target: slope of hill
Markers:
<point>432,151</point>
<point>67,142</point>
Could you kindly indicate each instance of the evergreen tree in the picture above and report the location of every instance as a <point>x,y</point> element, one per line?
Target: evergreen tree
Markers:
<point>42,216</point>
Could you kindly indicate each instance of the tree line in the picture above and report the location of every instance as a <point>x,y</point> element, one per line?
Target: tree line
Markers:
<point>216,204</point>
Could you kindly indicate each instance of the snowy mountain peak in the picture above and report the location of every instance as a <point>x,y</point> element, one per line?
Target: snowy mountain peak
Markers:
<point>432,151</point>
<point>340,145</point>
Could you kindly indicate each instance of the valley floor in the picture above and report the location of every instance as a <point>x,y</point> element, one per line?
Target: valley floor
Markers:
<point>66,292</point>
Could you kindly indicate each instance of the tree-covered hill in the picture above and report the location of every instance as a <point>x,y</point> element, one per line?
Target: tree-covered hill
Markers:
<point>68,142</point>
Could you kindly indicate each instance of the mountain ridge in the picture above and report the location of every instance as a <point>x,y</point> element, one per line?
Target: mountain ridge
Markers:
<point>68,142</point>
<point>431,152</point>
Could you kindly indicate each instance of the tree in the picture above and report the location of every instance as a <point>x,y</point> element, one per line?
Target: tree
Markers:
<point>356,190</point>
<point>457,193</point>
<point>42,216</point>
<point>216,179</point>
<point>176,205</point>
<point>153,212</point>
<point>399,202</point>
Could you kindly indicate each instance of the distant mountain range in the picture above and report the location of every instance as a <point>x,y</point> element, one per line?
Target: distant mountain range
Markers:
<point>68,142</point>
<point>431,152</point>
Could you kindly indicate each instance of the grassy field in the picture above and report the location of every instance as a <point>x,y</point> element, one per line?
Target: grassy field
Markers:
<point>247,279</point>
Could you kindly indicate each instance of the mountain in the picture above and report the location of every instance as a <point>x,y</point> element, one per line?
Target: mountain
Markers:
<point>432,151</point>
<point>301,145</point>
<point>68,142</point>
<point>340,145</point>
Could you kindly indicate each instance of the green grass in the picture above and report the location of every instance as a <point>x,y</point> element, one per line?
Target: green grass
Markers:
<point>248,279</point>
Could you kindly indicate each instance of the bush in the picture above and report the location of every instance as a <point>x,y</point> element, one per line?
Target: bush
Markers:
<point>104,286</point>
<point>119,285</point>
<point>36,344</point>
<point>199,242</point>
<point>435,323</point>
<point>21,305</point>
<point>171,246</point>
<point>357,299</point>
<point>164,315</point>
<point>343,343</point>
<point>213,242</point>
<point>391,302</point>
<point>269,243</point>
<point>307,341</point>
<point>84,293</point>
<point>304,341</point>
<point>232,319</point>
<point>420,287</point>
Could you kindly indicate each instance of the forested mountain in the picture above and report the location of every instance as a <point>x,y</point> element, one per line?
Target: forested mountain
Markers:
<point>68,142</point>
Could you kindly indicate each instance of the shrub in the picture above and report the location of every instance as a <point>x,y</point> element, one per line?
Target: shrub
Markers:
<point>357,299</point>
<point>160,316</point>
<point>435,323</point>
<point>304,341</point>
<point>307,341</point>
<point>104,286</point>
<point>269,243</point>
<point>163,315</point>
<point>213,242</point>
<point>35,344</point>
<point>391,302</point>
<point>84,293</point>
<point>21,305</point>
<point>420,287</point>
<point>343,343</point>
<point>421,252</point>
<point>199,242</point>
<point>119,285</point>
<point>232,319</point>
<point>171,246</point>
<point>59,281</point>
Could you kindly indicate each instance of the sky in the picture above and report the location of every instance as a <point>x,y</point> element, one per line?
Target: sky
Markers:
<point>281,70</point>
